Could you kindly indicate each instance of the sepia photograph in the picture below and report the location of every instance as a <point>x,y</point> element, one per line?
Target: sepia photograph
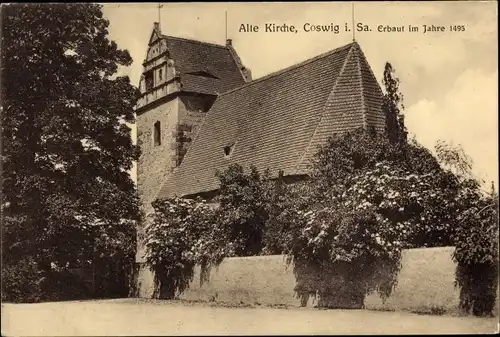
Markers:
<point>254,168</point>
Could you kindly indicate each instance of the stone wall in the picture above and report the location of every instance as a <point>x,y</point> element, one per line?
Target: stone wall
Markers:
<point>425,283</point>
<point>156,162</point>
<point>192,111</point>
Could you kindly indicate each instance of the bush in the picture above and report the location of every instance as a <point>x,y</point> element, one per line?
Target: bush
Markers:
<point>476,255</point>
<point>342,254</point>
<point>367,200</point>
<point>244,208</point>
<point>475,235</point>
<point>181,234</point>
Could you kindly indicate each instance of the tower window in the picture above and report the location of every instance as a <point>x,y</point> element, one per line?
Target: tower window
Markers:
<point>157,134</point>
<point>160,74</point>
<point>148,77</point>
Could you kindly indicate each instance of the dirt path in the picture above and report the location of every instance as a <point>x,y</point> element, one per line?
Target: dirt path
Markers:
<point>138,317</point>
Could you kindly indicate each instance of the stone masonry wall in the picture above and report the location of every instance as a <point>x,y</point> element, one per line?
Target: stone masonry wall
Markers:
<point>190,120</point>
<point>156,162</point>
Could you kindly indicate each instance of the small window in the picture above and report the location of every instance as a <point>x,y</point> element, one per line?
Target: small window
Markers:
<point>157,134</point>
<point>202,73</point>
<point>228,150</point>
<point>160,74</point>
<point>148,77</point>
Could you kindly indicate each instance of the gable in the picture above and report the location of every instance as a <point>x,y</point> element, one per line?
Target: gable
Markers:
<point>156,49</point>
<point>202,67</point>
<point>154,37</point>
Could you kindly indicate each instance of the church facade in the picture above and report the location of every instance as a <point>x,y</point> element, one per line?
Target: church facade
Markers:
<point>200,111</point>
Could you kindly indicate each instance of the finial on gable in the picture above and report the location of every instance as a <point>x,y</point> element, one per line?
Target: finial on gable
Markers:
<point>157,24</point>
<point>155,34</point>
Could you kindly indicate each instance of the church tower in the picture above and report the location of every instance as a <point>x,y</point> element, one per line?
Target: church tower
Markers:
<point>181,79</point>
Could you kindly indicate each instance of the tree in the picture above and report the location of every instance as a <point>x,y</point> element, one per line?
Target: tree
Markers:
<point>66,147</point>
<point>393,106</point>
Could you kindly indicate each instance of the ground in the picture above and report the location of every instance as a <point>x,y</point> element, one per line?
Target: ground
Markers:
<point>149,317</point>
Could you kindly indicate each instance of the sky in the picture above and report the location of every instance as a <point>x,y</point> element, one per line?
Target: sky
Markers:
<point>449,79</point>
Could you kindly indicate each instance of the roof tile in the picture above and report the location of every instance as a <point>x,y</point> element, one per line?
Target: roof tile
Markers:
<point>196,56</point>
<point>277,122</point>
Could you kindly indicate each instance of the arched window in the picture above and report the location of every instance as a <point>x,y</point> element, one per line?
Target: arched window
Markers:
<point>157,134</point>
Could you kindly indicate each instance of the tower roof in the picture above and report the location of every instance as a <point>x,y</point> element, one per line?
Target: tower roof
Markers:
<point>198,67</point>
<point>204,67</point>
<point>277,122</point>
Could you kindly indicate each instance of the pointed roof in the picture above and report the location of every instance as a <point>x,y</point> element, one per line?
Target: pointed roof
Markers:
<point>278,121</point>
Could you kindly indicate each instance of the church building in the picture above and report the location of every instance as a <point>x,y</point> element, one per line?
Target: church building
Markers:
<point>200,111</point>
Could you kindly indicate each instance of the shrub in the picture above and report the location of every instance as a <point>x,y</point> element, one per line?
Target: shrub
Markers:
<point>475,235</point>
<point>181,234</point>
<point>476,254</point>
<point>342,254</point>
<point>244,207</point>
